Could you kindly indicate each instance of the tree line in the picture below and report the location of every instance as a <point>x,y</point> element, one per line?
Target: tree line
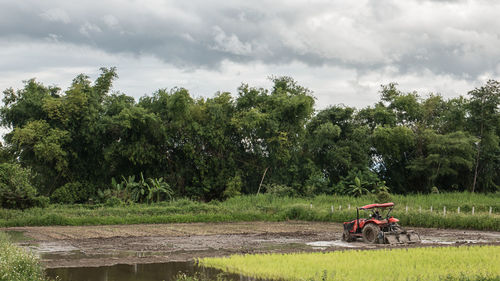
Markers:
<point>81,140</point>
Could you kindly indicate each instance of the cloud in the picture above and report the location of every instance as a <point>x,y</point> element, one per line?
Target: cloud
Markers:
<point>55,15</point>
<point>230,44</point>
<point>455,37</point>
<point>88,28</point>
<point>343,50</point>
<point>111,21</point>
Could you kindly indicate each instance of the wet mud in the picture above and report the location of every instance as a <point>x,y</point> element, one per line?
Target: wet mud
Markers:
<point>94,246</point>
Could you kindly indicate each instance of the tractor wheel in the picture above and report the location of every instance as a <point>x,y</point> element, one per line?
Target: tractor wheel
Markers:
<point>346,236</point>
<point>370,233</point>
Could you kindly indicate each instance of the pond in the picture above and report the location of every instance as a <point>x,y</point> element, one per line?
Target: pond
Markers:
<point>141,272</point>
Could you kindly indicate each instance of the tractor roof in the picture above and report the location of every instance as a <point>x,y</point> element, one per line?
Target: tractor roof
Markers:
<point>383,205</point>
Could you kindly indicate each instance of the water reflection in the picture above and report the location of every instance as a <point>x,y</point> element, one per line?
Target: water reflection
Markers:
<point>140,272</point>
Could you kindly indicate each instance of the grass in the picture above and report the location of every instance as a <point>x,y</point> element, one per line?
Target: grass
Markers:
<point>17,264</point>
<point>448,263</point>
<point>271,208</point>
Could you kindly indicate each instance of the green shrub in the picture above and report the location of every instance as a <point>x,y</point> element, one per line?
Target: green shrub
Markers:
<point>233,187</point>
<point>16,191</point>
<point>73,192</point>
<point>113,201</point>
<point>383,197</point>
<point>42,201</point>
<point>17,264</point>
<point>63,195</point>
<point>279,190</point>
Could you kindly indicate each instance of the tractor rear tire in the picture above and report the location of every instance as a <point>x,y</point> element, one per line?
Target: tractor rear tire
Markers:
<point>346,236</point>
<point>370,233</point>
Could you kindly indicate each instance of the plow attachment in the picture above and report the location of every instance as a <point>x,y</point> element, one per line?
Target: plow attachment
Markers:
<point>400,238</point>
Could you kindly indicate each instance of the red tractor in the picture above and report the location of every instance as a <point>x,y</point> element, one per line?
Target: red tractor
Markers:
<point>378,228</point>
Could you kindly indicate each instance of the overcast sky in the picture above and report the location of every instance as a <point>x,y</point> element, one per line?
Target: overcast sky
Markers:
<point>341,50</point>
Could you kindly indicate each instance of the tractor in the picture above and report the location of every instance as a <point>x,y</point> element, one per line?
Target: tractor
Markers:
<point>377,228</point>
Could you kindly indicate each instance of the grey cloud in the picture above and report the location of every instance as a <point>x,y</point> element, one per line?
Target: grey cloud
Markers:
<point>362,35</point>
<point>56,15</point>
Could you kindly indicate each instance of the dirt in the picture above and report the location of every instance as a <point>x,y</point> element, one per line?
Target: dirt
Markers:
<point>89,246</point>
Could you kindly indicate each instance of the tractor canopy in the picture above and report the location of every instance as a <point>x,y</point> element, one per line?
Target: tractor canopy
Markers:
<point>371,206</point>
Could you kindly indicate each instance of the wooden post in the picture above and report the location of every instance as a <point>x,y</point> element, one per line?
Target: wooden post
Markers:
<point>431,208</point>
<point>406,209</point>
<point>261,180</point>
<point>458,210</point>
<point>490,210</point>
<point>444,211</point>
<point>340,207</point>
<point>332,209</point>
<point>472,210</point>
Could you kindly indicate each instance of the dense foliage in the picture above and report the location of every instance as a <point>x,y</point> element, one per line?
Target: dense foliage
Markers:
<point>16,190</point>
<point>431,263</point>
<point>171,144</point>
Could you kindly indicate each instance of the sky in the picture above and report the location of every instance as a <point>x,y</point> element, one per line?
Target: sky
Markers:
<point>341,50</point>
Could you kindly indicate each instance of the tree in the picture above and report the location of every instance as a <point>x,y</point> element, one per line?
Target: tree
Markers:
<point>483,121</point>
<point>337,143</point>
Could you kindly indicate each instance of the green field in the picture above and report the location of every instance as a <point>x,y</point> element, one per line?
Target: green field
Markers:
<point>449,263</point>
<point>271,208</point>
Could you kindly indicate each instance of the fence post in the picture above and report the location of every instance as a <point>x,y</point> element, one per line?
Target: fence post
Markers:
<point>407,209</point>
<point>490,210</point>
<point>340,207</point>
<point>458,210</point>
<point>444,211</point>
<point>472,210</point>
<point>431,208</point>
<point>332,209</point>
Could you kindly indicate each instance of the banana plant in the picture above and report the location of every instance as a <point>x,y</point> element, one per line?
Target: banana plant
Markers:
<point>137,189</point>
<point>357,189</point>
<point>158,187</point>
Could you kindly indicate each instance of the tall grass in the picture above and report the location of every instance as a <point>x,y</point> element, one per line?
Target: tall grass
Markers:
<point>17,264</point>
<point>271,208</point>
<point>450,263</point>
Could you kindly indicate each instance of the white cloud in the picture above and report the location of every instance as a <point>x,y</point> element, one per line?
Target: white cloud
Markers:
<point>231,44</point>
<point>89,28</point>
<point>56,15</point>
<point>58,64</point>
<point>111,21</point>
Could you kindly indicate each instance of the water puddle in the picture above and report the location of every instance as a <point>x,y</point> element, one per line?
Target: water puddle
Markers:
<point>142,272</point>
<point>51,247</point>
<point>322,245</point>
<point>454,242</point>
<point>436,242</point>
<point>17,236</point>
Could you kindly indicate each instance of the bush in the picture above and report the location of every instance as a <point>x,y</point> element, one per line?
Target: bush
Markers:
<point>16,191</point>
<point>383,197</point>
<point>42,201</point>
<point>233,187</point>
<point>63,195</point>
<point>113,201</point>
<point>279,190</point>
<point>17,264</point>
<point>73,192</point>
<point>434,190</point>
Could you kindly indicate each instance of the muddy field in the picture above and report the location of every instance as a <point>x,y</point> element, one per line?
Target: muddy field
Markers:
<point>88,246</point>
